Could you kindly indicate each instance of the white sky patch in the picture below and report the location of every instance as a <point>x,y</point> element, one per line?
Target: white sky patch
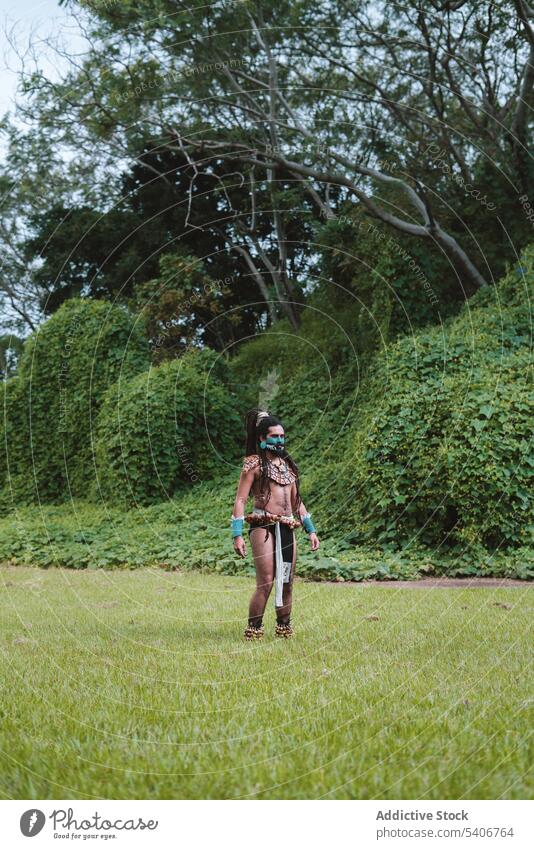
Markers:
<point>36,22</point>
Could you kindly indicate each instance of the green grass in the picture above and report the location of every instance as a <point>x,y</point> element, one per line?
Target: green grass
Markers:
<point>137,684</point>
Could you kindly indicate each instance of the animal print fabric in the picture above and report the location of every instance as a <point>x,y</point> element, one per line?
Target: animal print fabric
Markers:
<point>275,473</point>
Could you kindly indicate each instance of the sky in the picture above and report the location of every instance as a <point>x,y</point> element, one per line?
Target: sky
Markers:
<point>40,19</point>
<point>20,20</point>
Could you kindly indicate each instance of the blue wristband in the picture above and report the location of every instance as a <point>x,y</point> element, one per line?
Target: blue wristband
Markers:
<point>237,526</point>
<point>308,525</point>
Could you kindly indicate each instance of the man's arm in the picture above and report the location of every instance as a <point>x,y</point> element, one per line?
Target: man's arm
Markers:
<point>307,523</point>
<point>246,480</point>
<point>302,511</point>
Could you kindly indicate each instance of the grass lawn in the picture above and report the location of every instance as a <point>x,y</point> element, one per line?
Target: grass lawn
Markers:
<point>137,684</point>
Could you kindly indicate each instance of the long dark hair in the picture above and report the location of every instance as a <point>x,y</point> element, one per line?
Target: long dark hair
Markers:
<point>257,432</point>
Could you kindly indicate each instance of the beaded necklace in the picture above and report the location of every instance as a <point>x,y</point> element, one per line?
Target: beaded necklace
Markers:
<point>282,475</point>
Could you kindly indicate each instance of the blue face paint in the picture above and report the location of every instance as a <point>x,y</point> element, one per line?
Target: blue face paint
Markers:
<point>273,443</point>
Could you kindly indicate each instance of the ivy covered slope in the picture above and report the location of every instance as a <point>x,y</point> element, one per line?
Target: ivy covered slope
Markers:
<point>87,415</point>
<point>50,406</point>
<point>165,429</point>
<point>416,459</point>
<point>441,451</point>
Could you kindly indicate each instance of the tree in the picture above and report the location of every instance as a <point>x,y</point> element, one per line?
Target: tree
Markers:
<point>34,176</point>
<point>137,250</point>
<point>10,351</point>
<point>335,100</point>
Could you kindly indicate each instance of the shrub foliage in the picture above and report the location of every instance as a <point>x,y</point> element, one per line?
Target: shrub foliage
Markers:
<point>426,446</point>
<point>172,425</point>
<point>441,451</point>
<point>49,408</point>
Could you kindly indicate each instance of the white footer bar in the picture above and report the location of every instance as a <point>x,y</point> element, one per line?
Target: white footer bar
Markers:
<point>256,824</point>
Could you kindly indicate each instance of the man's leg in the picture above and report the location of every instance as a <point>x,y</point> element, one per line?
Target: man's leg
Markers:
<point>262,543</point>
<point>283,613</point>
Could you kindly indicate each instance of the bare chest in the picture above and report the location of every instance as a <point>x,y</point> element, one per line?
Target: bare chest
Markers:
<point>281,478</point>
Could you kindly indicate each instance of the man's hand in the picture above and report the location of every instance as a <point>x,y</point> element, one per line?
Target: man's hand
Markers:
<point>240,547</point>
<point>314,542</point>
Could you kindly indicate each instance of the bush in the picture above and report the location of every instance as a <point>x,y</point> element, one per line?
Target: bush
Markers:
<point>51,404</point>
<point>441,452</point>
<point>171,426</point>
<point>180,534</point>
<point>428,446</point>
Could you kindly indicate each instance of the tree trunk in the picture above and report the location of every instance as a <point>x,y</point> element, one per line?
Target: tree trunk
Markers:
<point>458,257</point>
